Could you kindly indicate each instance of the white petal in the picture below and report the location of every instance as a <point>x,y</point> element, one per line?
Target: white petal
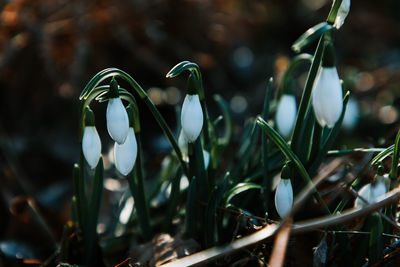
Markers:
<point>125,154</point>
<point>285,116</point>
<point>327,97</point>
<point>91,146</point>
<point>117,120</point>
<point>191,117</point>
<point>370,193</point>
<point>284,197</point>
<point>365,193</point>
<point>343,11</point>
<point>378,190</point>
<point>183,143</point>
<point>206,158</point>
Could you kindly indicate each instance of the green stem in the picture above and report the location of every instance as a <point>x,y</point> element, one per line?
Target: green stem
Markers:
<point>114,72</point>
<point>281,144</point>
<point>305,99</point>
<point>80,214</point>
<point>135,179</point>
<point>265,148</point>
<point>92,249</point>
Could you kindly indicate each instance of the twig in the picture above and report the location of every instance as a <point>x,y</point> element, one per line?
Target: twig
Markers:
<point>269,231</point>
<point>277,258</point>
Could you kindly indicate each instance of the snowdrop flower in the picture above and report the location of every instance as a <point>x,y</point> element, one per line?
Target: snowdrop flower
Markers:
<point>91,144</point>
<point>192,114</point>
<point>370,192</point>
<point>327,95</point>
<point>285,116</point>
<point>342,13</point>
<point>191,117</point>
<point>284,197</point>
<point>117,118</point>
<point>284,193</point>
<point>126,153</point>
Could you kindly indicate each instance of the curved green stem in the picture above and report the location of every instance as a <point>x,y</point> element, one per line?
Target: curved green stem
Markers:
<point>136,185</point>
<point>114,72</point>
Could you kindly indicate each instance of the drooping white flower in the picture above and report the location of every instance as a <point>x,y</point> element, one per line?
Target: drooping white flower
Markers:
<point>285,115</point>
<point>327,97</point>
<point>284,197</point>
<point>343,11</point>
<point>117,120</point>
<point>191,117</point>
<point>370,193</point>
<point>126,153</point>
<point>91,146</point>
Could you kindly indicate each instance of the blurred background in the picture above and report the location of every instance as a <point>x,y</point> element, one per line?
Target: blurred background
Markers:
<point>49,50</point>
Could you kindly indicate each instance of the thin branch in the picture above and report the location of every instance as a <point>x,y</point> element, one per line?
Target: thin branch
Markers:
<point>269,231</point>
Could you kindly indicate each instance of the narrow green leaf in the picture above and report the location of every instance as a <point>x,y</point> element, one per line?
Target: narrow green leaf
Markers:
<point>93,215</point>
<point>333,12</point>
<point>375,238</point>
<point>281,144</point>
<point>382,155</point>
<point>240,188</point>
<point>395,159</point>
<point>310,36</point>
<point>190,220</point>
<point>267,180</point>
<point>223,105</point>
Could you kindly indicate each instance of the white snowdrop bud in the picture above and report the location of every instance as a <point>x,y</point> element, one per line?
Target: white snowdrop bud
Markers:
<point>126,153</point>
<point>370,193</point>
<point>327,95</point>
<point>91,146</point>
<point>117,120</point>
<point>284,197</point>
<point>191,117</point>
<point>343,11</point>
<point>285,115</point>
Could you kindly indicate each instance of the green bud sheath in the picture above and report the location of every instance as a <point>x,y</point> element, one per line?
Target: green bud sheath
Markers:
<point>286,171</point>
<point>89,117</point>
<point>114,93</point>
<point>329,56</point>
<point>193,84</point>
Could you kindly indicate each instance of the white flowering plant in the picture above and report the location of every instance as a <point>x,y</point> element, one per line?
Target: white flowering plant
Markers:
<point>214,185</point>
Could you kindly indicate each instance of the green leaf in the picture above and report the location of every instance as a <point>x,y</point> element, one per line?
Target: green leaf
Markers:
<point>382,155</point>
<point>375,238</point>
<point>267,180</point>
<point>333,12</point>
<point>93,215</point>
<point>310,36</point>
<point>190,219</point>
<point>224,106</point>
<point>281,144</point>
<point>240,188</point>
<point>395,161</point>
